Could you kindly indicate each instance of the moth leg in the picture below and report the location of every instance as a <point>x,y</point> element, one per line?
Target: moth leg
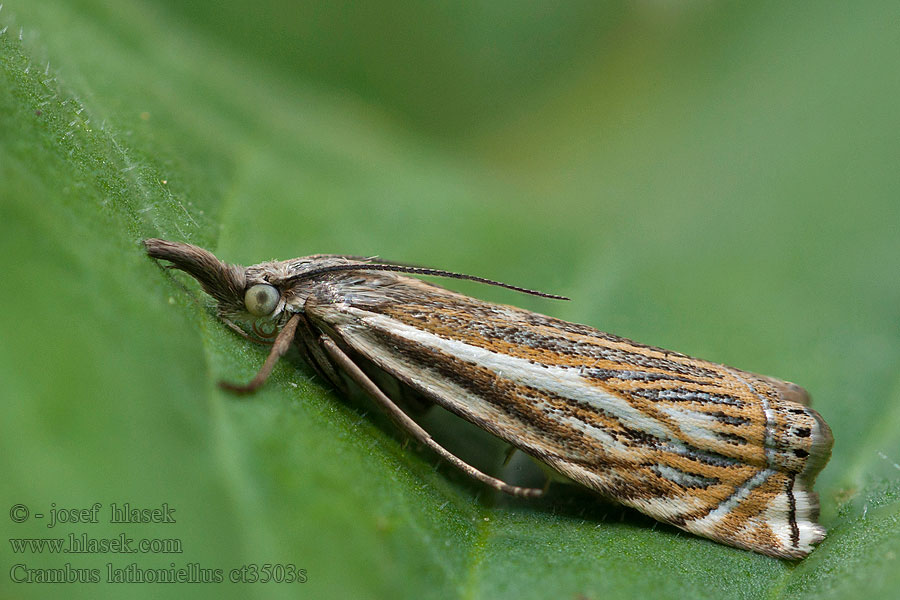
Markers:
<point>411,427</point>
<point>315,356</point>
<point>235,328</point>
<point>509,454</point>
<point>281,345</point>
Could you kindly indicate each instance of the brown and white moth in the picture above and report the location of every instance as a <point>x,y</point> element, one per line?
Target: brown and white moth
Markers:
<point>716,451</point>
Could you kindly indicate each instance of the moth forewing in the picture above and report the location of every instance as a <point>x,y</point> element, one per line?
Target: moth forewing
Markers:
<point>710,449</point>
<point>720,452</point>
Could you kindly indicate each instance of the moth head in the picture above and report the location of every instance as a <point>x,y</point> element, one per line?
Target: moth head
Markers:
<point>241,293</point>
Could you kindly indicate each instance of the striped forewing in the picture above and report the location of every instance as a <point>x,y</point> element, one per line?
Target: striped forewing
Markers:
<point>717,451</point>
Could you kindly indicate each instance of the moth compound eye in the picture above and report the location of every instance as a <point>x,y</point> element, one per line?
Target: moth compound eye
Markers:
<point>261,299</point>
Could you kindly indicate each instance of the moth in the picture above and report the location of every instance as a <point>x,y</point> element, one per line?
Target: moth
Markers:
<point>716,451</point>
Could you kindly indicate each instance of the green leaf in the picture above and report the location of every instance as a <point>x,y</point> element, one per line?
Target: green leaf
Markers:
<point>717,180</point>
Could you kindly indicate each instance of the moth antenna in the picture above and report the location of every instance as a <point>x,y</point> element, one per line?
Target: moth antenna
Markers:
<point>423,271</point>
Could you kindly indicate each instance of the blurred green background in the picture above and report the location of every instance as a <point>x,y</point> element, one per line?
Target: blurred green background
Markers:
<point>717,179</point>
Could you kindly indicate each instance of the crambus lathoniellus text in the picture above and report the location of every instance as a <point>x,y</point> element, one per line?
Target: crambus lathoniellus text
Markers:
<point>720,452</point>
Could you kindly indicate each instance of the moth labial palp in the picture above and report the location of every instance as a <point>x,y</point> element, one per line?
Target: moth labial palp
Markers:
<point>723,453</point>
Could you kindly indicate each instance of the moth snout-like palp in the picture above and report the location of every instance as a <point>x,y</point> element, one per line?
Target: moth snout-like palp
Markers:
<point>222,281</point>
